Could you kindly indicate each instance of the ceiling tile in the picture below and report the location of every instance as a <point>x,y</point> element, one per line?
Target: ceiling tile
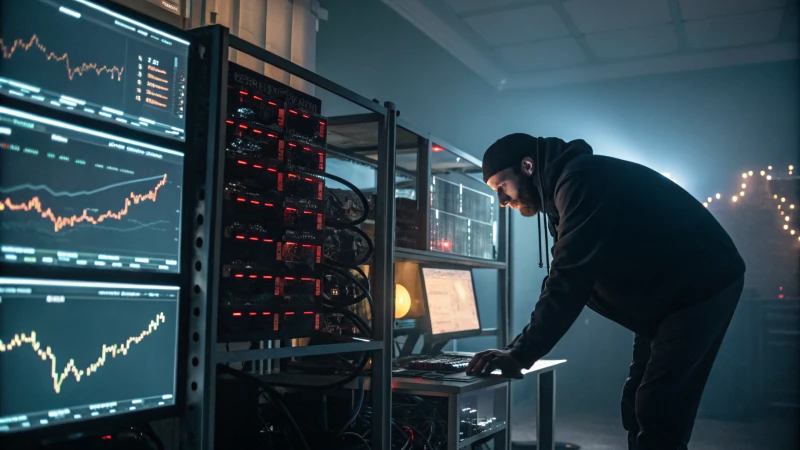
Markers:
<point>704,9</point>
<point>542,55</point>
<point>467,6</point>
<point>635,43</point>
<point>730,31</point>
<point>593,16</point>
<point>518,25</point>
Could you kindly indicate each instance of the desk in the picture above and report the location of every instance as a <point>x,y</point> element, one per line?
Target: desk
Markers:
<point>492,389</point>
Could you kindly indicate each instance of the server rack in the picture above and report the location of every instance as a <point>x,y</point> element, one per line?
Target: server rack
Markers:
<point>210,60</point>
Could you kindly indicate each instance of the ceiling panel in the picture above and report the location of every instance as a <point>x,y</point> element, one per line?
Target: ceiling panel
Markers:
<point>593,16</point>
<point>541,55</point>
<point>518,25</point>
<point>704,9</point>
<point>730,31</point>
<point>640,42</point>
<point>467,6</point>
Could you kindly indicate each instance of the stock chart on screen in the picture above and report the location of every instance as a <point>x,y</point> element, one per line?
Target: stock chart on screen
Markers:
<point>67,346</point>
<point>77,56</point>
<point>75,197</point>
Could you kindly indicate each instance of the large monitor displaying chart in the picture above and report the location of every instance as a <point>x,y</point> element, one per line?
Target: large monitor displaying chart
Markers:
<point>75,351</point>
<point>81,57</point>
<point>79,198</point>
<point>451,303</point>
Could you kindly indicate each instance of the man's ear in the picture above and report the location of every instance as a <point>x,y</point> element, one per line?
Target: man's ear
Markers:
<point>526,166</point>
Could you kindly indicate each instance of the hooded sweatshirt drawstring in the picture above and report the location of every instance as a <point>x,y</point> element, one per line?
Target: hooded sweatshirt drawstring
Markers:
<point>539,222</point>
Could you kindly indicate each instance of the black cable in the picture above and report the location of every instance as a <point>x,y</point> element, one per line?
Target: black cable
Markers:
<point>360,438</point>
<point>356,191</point>
<point>345,273</point>
<point>539,223</point>
<point>273,395</point>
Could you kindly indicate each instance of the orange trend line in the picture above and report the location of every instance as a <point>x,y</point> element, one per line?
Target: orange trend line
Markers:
<point>71,368</point>
<point>60,222</point>
<point>71,72</point>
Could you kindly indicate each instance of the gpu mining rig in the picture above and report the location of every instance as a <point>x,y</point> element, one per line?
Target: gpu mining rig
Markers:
<point>273,225</point>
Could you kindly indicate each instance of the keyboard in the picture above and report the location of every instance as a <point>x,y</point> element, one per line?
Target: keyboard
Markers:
<point>439,363</point>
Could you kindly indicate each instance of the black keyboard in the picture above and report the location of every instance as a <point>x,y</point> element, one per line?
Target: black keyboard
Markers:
<point>440,363</point>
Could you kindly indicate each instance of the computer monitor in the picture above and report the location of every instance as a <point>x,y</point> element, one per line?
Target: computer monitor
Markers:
<point>85,58</point>
<point>79,198</point>
<point>450,302</point>
<point>73,351</point>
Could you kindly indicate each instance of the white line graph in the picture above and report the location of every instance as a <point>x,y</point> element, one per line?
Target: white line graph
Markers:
<point>49,190</point>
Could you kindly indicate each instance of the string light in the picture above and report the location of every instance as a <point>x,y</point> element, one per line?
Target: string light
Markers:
<point>786,227</point>
<point>744,186</point>
<point>791,232</point>
<point>788,217</point>
<point>751,172</point>
<point>769,167</point>
<point>744,175</point>
<point>741,194</point>
<point>709,199</point>
<point>735,198</point>
<point>769,177</point>
<point>783,199</point>
<point>763,173</point>
<point>718,196</point>
<point>791,167</point>
<point>791,206</point>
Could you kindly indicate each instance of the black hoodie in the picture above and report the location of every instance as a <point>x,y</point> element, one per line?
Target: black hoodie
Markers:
<point>628,242</point>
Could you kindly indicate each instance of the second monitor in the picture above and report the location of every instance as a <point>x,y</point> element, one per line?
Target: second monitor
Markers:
<point>451,303</point>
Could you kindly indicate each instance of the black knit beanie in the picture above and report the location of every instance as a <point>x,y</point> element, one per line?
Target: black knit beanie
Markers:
<point>507,152</point>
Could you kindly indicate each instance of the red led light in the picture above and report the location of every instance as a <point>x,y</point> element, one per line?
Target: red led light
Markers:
<point>265,313</point>
<point>257,131</point>
<point>239,237</point>
<point>291,175</point>
<point>291,209</point>
<point>271,170</point>
<point>253,276</point>
<point>310,179</point>
<point>271,135</point>
<point>242,162</point>
<point>253,313</point>
<point>237,314</point>
<point>437,149</point>
<point>239,275</point>
<point>257,98</point>
<point>307,148</point>
<point>289,313</point>
<point>268,240</point>
<point>243,92</point>
<point>289,278</point>
<point>270,205</point>
<point>292,144</point>
<point>106,437</point>
<point>239,199</point>
<point>253,238</point>
<point>255,202</point>
<point>307,245</point>
<point>305,116</point>
<point>780,296</point>
<point>272,103</point>
<point>257,166</point>
<point>292,111</point>
<point>308,313</point>
<point>229,121</point>
<point>446,244</point>
<point>306,279</point>
<point>241,125</point>
<point>267,277</point>
<point>307,212</point>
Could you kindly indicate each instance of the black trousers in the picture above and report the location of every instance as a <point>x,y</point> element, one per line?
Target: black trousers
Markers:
<point>669,373</point>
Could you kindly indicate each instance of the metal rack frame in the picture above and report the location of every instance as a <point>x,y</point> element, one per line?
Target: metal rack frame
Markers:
<point>210,58</point>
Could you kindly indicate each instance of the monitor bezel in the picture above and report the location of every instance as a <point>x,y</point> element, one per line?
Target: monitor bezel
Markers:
<point>113,127</point>
<point>182,279</point>
<point>426,321</point>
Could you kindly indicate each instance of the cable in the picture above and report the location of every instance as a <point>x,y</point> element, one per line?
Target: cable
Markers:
<point>351,277</point>
<point>273,395</point>
<point>356,191</point>
<point>357,407</point>
<point>360,438</point>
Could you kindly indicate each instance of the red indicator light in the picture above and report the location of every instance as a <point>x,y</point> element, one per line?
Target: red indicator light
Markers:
<point>271,170</point>
<point>307,148</point>
<point>437,149</point>
<point>253,276</point>
<point>242,162</point>
<point>307,245</point>
<point>307,212</point>
<point>272,103</point>
<point>268,240</point>
<point>257,98</point>
<point>291,175</point>
<point>239,237</point>
<point>106,437</point>
<point>229,121</point>
<point>292,144</point>
<point>253,238</point>
<point>308,313</point>
<point>241,125</point>
<point>306,279</point>
<point>305,116</point>
<point>291,209</point>
<point>289,313</point>
<point>237,314</point>
<point>267,277</point>
<point>253,313</point>
<point>239,199</point>
<point>243,92</point>
<point>257,166</point>
<point>292,111</point>
<point>310,179</point>
<point>255,202</point>
<point>271,135</point>
<point>780,296</point>
<point>270,205</point>
<point>265,313</point>
<point>289,278</point>
<point>239,275</point>
<point>257,131</point>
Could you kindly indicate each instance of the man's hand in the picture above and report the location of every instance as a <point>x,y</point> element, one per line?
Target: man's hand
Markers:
<point>485,362</point>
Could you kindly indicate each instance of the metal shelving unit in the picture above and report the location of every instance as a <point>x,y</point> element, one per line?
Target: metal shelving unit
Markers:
<point>207,117</point>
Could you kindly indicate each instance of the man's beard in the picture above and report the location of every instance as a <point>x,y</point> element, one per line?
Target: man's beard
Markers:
<point>527,202</point>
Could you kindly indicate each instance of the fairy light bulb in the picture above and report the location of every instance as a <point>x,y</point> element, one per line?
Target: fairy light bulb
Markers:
<point>783,199</point>
<point>719,196</point>
<point>791,206</point>
<point>705,204</point>
<point>779,206</point>
<point>741,194</point>
<point>769,177</point>
<point>786,227</point>
<point>791,232</point>
<point>744,175</point>
<point>791,167</point>
<point>751,172</point>
<point>787,218</point>
<point>769,167</point>
<point>735,199</point>
<point>744,186</point>
<point>709,199</point>
<point>775,196</point>
<point>763,173</point>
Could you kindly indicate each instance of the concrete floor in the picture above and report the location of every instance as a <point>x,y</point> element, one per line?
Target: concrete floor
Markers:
<point>603,431</point>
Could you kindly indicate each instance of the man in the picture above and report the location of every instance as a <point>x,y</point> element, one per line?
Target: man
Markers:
<point>636,248</point>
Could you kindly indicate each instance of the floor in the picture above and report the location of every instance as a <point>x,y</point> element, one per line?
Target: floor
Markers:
<point>603,431</point>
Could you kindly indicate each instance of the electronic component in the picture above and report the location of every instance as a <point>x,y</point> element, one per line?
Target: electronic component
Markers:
<point>462,220</point>
<point>451,304</point>
<point>274,216</point>
<point>66,56</point>
<point>65,345</point>
<point>75,197</point>
<point>440,363</point>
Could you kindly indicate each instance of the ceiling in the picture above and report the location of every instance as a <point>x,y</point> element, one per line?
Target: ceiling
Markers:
<point>515,44</point>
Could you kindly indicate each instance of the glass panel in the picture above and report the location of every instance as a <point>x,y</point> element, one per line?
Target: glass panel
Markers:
<point>464,211</point>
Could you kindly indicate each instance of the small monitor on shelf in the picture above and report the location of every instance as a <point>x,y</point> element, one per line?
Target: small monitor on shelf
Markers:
<point>450,302</point>
<point>78,351</point>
